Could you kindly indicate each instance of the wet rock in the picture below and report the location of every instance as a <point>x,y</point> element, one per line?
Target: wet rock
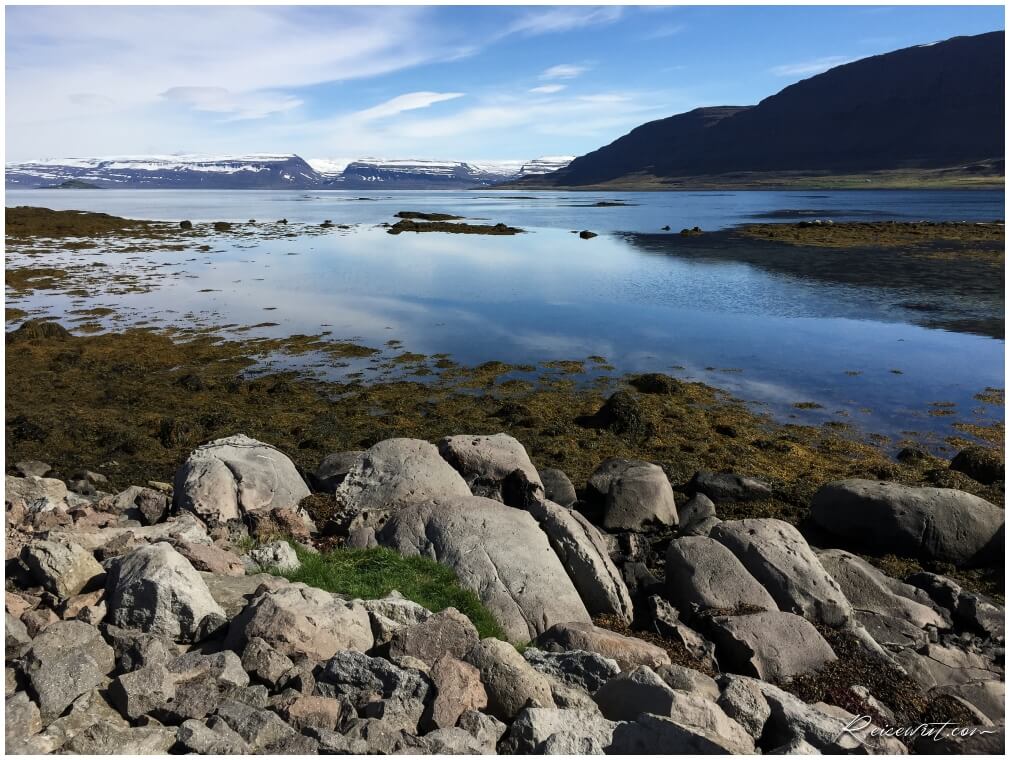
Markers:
<point>780,559</point>
<point>622,414</point>
<point>584,554</point>
<point>929,523</point>
<point>231,477</point>
<point>510,682</point>
<point>448,632</point>
<point>501,554</point>
<point>627,651</point>
<point>495,467</point>
<point>770,645</point>
<point>637,496</point>
<point>276,555</point>
<point>726,486</point>
<point>397,472</point>
<point>655,382</point>
<point>298,620</point>
<point>587,235</point>
<point>583,670</point>
<point>557,487</point>
<point>155,589</point>
<point>551,731</point>
<point>62,569</point>
<point>458,688</point>
<point>66,660</point>
<point>979,463</point>
<point>334,468</point>
<point>701,573</point>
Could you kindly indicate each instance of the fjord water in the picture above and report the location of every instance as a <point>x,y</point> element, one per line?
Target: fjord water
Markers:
<point>546,295</point>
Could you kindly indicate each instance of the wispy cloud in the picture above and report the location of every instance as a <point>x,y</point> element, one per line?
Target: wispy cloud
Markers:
<point>665,30</point>
<point>409,102</point>
<point>563,71</point>
<point>547,89</point>
<point>563,19</point>
<point>237,106</point>
<point>806,68</point>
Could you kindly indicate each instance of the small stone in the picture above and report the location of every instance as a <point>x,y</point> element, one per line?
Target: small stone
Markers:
<point>63,569</point>
<point>277,555</point>
<point>458,688</point>
<point>511,683</point>
<point>448,632</point>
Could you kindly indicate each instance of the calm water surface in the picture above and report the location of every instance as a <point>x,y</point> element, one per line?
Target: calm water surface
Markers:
<point>769,338</point>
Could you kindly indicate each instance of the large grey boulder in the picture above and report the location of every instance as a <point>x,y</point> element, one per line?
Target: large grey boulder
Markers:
<point>627,651</point>
<point>780,559</point>
<point>769,645</point>
<point>231,477</point>
<point>584,554</point>
<point>636,495</point>
<point>63,569</point>
<point>929,523</point>
<point>494,466</point>
<point>701,573</point>
<point>510,682</point>
<point>638,691</point>
<point>156,590</point>
<point>577,668</point>
<point>552,731</point>
<point>298,620</point>
<point>501,554</point>
<point>878,599</point>
<point>66,660</point>
<point>397,472</point>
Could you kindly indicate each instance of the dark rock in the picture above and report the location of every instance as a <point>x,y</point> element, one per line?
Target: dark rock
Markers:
<point>557,487</point>
<point>981,464</point>
<point>725,486</point>
<point>333,469</point>
<point>222,226</point>
<point>656,382</point>
<point>185,224</point>
<point>622,414</point>
<point>580,669</point>
<point>586,234</point>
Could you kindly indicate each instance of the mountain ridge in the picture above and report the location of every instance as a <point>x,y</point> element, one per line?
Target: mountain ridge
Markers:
<point>918,109</point>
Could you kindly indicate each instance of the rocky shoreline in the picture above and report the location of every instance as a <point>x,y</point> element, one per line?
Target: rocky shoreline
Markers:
<point>634,620</point>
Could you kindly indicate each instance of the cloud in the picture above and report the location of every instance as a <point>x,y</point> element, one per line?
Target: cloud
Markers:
<point>547,89</point>
<point>665,30</point>
<point>255,105</point>
<point>806,68</point>
<point>563,71</point>
<point>562,19</point>
<point>408,102</point>
<point>90,100</point>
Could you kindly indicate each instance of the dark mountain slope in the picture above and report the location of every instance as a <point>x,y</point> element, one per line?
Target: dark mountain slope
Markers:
<point>922,107</point>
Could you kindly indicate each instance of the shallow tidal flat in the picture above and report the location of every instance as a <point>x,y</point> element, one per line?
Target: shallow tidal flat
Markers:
<point>131,390</point>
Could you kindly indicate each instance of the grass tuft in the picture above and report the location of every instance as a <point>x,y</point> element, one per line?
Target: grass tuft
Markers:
<point>373,573</point>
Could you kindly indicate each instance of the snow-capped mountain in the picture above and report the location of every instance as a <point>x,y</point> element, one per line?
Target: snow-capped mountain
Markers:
<point>423,174</point>
<point>253,171</point>
<point>544,165</point>
<point>271,172</point>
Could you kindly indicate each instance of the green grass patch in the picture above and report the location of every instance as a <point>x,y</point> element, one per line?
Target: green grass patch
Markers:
<point>373,573</point>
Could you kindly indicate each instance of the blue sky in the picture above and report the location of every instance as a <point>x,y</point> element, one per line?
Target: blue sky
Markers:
<point>472,83</point>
